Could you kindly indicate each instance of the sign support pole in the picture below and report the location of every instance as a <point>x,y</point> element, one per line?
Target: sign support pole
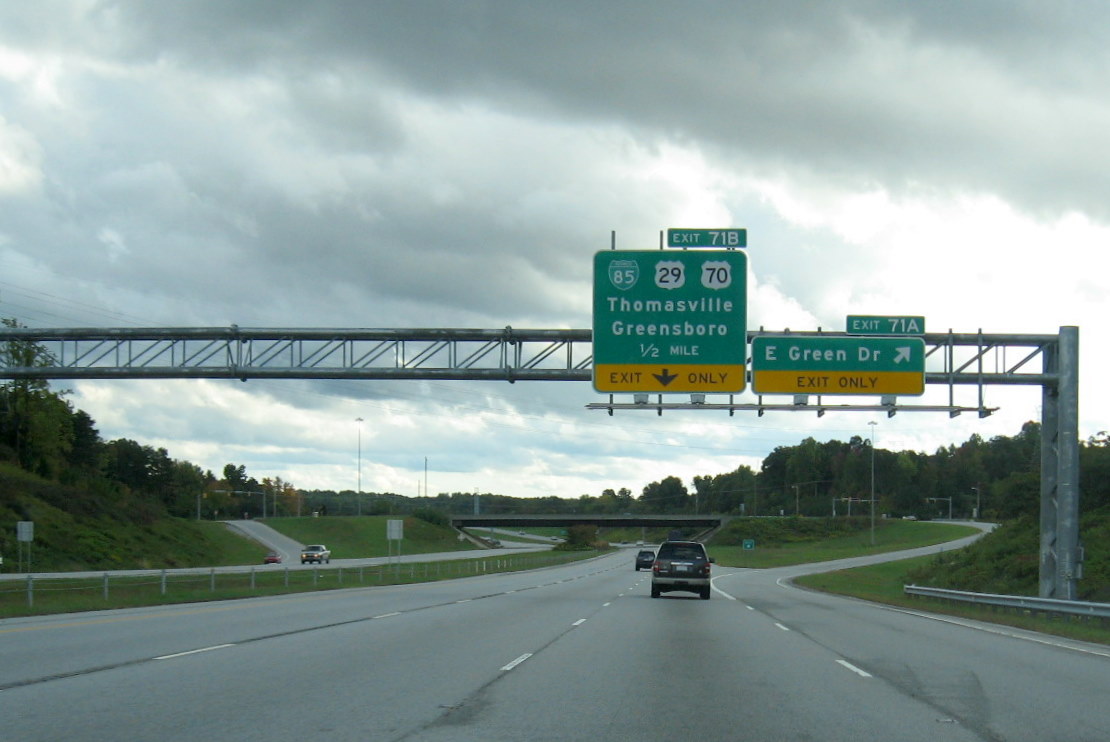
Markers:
<point>1061,565</point>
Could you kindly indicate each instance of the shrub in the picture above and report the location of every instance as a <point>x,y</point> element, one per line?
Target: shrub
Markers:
<point>433,516</point>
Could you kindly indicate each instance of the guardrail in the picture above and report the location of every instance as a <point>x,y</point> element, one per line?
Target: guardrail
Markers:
<point>153,587</point>
<point>1051,606</point>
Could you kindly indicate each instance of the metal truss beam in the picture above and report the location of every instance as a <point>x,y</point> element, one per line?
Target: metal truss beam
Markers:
<point>461,354</point>
<point>241,353</point>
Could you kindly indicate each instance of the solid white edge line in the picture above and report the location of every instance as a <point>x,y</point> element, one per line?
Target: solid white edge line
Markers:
<point>193,651</point>
<point>516,662</point>
<point>853,668</point>
<point>718,590</point>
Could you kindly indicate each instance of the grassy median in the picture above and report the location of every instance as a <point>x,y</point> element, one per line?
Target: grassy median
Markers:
<point>883,583</point>
<point>890,535</point>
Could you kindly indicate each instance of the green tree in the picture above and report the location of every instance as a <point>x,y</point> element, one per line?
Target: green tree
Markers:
<point>36,425</point>
<point>666,496</point>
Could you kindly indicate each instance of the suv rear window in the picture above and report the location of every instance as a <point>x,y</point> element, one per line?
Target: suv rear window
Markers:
<point>681,551</point>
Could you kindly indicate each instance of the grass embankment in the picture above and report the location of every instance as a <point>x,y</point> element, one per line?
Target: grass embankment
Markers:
<point>77,529</point>
<point>780,542</point>
<point>883,583</point>
<point>348,537</point>
<point>364,537</point>
<point>1004,562</point>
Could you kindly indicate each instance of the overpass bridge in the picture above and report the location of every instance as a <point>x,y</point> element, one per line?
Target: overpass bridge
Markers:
<point>602,521</point>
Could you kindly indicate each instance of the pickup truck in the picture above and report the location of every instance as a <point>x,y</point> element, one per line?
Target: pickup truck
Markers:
<point>316,553</point>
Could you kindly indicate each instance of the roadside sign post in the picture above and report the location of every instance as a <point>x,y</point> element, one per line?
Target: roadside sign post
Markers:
<point>394,531</point>
<point>25,534</point>
<point>837,364</point>
<point>670,321</point>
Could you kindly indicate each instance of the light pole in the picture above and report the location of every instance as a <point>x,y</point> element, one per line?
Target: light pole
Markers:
<point>977,503</point>
<point>872,424</point>
<point>358,491</point>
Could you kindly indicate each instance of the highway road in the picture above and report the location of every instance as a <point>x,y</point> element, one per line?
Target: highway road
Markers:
<point>577,652</point>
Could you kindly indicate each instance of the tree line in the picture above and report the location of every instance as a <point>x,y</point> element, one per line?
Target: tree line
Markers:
<point>996,479</point>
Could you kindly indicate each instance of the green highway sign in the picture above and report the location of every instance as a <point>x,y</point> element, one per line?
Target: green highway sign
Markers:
<point>670,321</point>
<point>714,238</point>
<point>868,324</point>
<point>836,364</point>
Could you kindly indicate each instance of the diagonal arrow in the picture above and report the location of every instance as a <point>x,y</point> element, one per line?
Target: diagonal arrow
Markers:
<point>903,354</point>
<point>665,378</point>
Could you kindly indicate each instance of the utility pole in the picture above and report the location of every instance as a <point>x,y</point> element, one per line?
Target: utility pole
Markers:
<point>872,424</point>
<point>358,492</point>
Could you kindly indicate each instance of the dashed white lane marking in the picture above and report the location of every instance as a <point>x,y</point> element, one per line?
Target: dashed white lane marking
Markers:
<point>579,622</point>
<point>853,668</point>
<point>389,615</point>
<point>781,626</point>
<point>193,651</point>
<point>516,662</point>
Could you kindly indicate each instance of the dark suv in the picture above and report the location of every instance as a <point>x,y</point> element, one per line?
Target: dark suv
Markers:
<point>645,559</point>
<point>681,565</point>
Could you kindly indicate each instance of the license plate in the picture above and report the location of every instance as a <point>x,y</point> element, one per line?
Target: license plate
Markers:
<point>682,568</point>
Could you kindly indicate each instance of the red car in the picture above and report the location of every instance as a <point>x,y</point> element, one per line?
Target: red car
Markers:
<point>272,558</point>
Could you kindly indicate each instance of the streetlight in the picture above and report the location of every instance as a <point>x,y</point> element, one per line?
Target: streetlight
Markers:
<point>358,493</point>
<point>977,503</point>
<point>872,423</point>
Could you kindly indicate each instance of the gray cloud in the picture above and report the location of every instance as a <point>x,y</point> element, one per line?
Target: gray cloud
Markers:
<point>452,164</point>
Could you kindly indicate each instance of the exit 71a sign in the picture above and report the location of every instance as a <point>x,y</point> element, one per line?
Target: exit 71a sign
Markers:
<point>869,324</point>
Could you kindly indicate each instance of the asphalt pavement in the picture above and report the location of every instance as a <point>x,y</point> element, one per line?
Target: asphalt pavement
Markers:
<point>574,652</point>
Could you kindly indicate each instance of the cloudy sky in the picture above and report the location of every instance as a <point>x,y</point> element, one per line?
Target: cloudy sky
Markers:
<point>458,164</point>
